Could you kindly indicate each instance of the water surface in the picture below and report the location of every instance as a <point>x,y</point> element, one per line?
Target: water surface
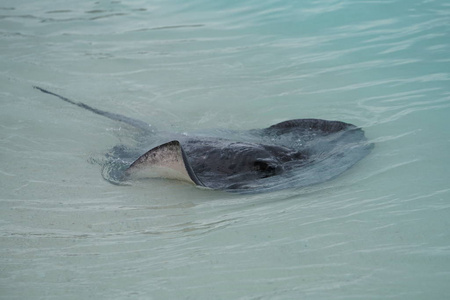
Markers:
<point>379,231</point>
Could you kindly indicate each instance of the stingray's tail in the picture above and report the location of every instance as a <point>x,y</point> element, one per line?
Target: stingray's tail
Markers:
<point>116,117</point>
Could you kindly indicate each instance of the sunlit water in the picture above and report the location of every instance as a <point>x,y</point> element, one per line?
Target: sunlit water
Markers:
<point>379,231</point>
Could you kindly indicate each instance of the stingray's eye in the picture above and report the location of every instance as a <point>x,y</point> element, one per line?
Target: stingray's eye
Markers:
<point>260,165</point>
<point>267,167</point>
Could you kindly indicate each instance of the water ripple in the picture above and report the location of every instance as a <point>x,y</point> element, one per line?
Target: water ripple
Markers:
<point>378,231</point>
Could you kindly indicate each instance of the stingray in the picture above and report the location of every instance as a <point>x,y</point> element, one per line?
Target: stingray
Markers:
<point>291,154</point>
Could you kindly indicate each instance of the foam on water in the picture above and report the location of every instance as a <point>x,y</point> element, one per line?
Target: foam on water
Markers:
<point>379,231</point>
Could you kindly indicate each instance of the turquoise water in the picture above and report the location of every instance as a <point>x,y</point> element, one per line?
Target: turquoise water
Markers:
<point>379,231</point>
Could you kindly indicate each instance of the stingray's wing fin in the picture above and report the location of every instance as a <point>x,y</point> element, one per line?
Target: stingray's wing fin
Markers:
<point>324,126</point>
<point>167,161</point>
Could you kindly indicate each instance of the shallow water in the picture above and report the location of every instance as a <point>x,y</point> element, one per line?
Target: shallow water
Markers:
<point>379,231</point>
